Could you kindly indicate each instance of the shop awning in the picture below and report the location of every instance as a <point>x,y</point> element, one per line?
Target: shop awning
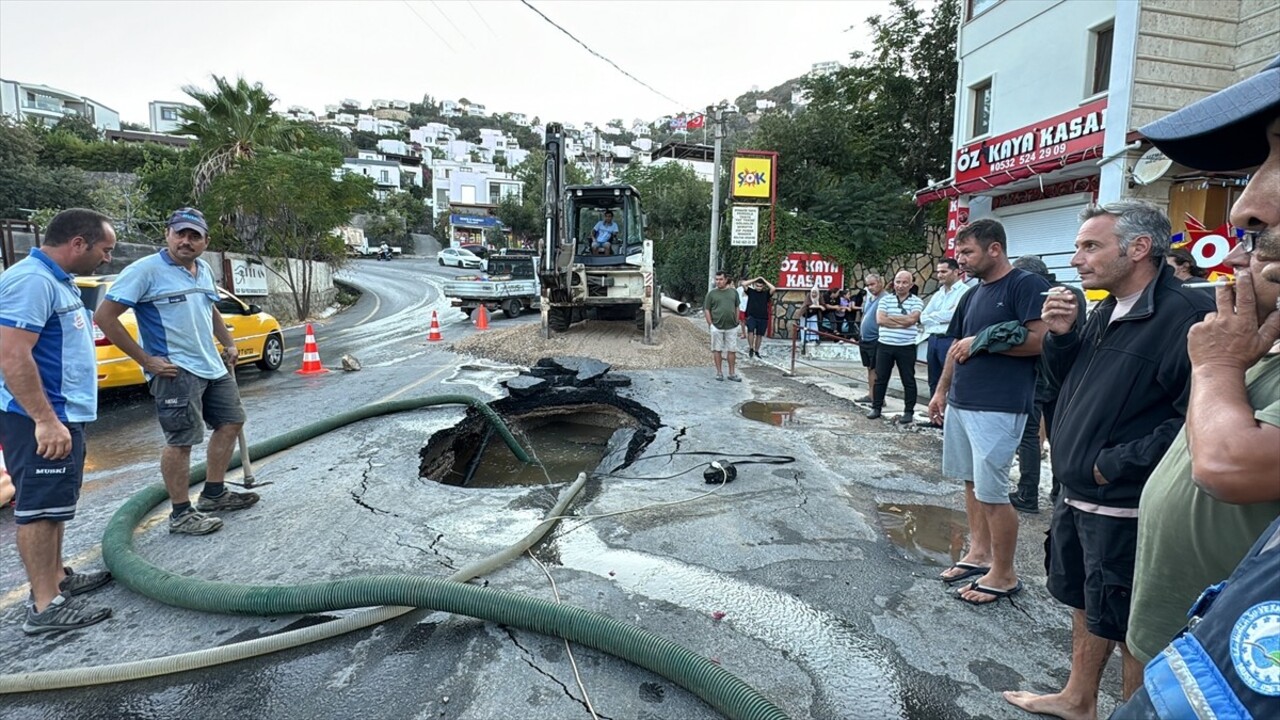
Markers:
<point>990,182</point>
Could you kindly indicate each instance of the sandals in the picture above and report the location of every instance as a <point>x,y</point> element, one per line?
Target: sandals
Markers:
<point>970,570</point>
<point>995,593</point>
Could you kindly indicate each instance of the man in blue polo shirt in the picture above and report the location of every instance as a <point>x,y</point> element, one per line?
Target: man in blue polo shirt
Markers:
<point>174,298</point>
<point>48,392</point>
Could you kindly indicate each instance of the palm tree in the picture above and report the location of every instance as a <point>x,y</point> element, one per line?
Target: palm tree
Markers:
<point>231,123</point>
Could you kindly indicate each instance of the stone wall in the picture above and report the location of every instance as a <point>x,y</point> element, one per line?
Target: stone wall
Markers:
<point>786,304</point>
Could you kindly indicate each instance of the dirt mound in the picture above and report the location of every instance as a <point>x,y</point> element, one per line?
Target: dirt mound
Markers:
<point>677,343</point>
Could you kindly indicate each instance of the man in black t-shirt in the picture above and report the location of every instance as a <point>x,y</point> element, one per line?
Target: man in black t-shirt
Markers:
<point>758,291</point>
<point>986,392</point>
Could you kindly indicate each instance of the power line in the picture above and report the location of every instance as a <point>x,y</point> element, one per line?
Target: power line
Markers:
<point>486,22</point>
<point>424,22</point>
<point>449,20</point>
<point>593,52</point>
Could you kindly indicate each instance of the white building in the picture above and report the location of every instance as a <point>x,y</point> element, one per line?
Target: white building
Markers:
<point>799,98</point>
<point>450,108</point>
<point>1049,97</point>
<point>332,109</point>
<point>385,173</point>
<point>23,101</point>
<point>763,104</point>
<point>350,104</point>
<point>830,66</point>
<point>378,126</point>
<point>640,129</point>
<point>474,109</point>
<point>345,119</point>
<point>300,113</point>
<point>434,135</point>
<point>701,158</point>
<point>381,104</point>
<point>454,181</point>
<point>163,117</point>
<point>520,119</point>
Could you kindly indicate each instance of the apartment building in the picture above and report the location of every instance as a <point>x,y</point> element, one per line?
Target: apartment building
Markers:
<point>1049,97</point>
<point>466,182</point>
<point>25,101</point>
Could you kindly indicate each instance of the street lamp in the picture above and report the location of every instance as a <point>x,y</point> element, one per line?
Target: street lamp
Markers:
<point>719,113</point>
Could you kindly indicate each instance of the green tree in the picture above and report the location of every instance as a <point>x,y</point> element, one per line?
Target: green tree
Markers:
<point>231,123</point>
<point>287,205</point>
<point>26,185</point>
<point>525,217</point>
<point>873,133</point>
<point>677,206</point>
<point>78,126</point>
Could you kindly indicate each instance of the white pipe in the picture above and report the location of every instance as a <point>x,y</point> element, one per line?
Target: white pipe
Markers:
<point>1131,146</point>
<point>675,306</point>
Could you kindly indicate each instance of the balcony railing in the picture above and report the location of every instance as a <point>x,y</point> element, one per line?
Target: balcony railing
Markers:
<point>49,105</point>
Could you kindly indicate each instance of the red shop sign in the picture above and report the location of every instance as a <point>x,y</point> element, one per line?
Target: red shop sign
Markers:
<point>801,271</point>
<point>1059,136</point>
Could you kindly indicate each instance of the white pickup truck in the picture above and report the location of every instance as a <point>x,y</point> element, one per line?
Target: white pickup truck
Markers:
<point>509,284</point>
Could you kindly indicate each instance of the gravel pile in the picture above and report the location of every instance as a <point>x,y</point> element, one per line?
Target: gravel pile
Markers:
<point>678,343</point>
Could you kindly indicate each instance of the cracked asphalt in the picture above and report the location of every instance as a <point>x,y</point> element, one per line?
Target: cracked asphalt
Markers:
<point>785,577</point>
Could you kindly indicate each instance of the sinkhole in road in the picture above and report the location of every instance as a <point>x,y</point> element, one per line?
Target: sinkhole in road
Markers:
<point>773,413</point>
<point>925,532</point>
<point>568,431</point>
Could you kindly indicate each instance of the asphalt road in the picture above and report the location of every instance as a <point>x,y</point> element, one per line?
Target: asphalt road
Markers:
<point>786,577</point>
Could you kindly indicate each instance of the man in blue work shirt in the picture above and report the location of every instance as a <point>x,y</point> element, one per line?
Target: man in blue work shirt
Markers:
<point>603,233</point>
<point>48,393</point>
<point>173,295</point>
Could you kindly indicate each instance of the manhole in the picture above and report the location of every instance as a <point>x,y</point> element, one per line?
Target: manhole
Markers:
<point>774,413</point>
<point>927,532</point>
<point>568,430</point>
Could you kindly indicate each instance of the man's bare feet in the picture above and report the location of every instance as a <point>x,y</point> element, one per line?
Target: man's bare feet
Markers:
<point>964,567</point>
<point>989,588</point>
<point>1056,705</point>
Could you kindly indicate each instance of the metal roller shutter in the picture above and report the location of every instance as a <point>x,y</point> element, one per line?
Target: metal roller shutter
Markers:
<point>1046,228</point>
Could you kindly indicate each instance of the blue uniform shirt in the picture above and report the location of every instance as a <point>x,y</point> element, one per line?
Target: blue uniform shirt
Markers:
<point>174,311</point>
<point>38,296</point>
<point>605,233</point>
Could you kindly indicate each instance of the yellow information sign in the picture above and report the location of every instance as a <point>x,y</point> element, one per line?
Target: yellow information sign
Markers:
<point>752,177</point>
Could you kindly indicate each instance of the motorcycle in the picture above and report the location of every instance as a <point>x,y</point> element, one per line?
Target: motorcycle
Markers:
<point>384,255</point>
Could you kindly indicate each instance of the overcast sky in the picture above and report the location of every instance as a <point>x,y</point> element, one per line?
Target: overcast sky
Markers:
<point>495,52</point>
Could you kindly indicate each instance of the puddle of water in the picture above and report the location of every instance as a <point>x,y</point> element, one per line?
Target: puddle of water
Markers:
<point>564,449</point>
<point>849,670</point>
<point>926,532</point>
<point>773,413</point>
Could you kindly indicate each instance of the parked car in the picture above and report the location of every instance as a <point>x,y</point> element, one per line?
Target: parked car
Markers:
<point>457,257</point>
<point>257,334</point>
<point>479,251</point>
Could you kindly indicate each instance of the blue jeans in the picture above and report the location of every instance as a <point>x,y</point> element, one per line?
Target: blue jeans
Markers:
<point>937,357</point>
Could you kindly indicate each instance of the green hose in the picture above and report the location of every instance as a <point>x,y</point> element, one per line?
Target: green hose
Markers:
<point>715,685</point>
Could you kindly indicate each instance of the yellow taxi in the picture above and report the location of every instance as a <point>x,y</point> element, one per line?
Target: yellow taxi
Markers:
<point>257,334</point>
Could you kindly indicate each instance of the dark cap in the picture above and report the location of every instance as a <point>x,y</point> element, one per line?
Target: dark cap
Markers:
<point>188,218</point>
<point>1225,131</point>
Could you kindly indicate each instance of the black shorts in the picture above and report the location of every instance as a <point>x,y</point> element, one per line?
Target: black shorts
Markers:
<point>1090,560</point>
<point>184,401</point>
<point>46,489</point>
<point>868,350</point>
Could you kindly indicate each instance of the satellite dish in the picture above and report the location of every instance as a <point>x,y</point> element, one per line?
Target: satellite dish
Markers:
<point>1151,167</point>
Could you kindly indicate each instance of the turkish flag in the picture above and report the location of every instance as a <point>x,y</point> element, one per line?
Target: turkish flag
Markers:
<point>696,122</point>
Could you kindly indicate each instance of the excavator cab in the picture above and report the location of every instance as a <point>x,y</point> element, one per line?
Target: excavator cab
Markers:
<point>585,206</point>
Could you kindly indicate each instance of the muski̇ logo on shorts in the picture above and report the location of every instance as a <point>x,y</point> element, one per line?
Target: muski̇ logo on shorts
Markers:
<point>1255,648</point>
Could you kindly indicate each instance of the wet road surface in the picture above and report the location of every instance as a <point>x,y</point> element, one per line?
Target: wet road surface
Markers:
<point>789,577</point>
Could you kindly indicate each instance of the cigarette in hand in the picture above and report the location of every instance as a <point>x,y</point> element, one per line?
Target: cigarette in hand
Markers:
<point>1216,283</point>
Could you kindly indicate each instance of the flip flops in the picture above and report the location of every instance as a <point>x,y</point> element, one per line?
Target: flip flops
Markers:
<point>970,570</point>
<point>995,593</point>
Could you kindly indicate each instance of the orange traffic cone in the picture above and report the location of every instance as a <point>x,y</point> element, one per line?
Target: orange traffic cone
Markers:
<point>482,318</point>
<point>311,355</point>
<point>434,334</point>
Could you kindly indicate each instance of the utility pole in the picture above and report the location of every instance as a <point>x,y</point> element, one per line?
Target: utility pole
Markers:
<point>595,154</point>
<point>715,196</point>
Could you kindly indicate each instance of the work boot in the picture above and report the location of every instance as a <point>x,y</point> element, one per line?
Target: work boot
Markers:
<point>874,414</point>
<point>1025,500</point>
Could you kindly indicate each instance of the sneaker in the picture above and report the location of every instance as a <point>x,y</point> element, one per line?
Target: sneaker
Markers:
<point>80,583</point>
<point>226,502</point>
<point>1022,504</point>
<point>864,399</point>
<point>906,419</point>
<point>194,522</point>
<point>720,378</point>
<point>63,613</point>
<point>735,378</point>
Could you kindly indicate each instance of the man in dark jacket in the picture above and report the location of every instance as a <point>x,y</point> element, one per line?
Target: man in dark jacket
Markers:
<point>1125,384</point>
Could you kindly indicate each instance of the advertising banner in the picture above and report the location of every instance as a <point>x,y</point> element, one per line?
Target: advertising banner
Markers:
<point>752,177</point>
<point>802,271</point>
<point>1051,139</point>
<point>248,278</point>
<point>957,217</point>
<point>746,226</point>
